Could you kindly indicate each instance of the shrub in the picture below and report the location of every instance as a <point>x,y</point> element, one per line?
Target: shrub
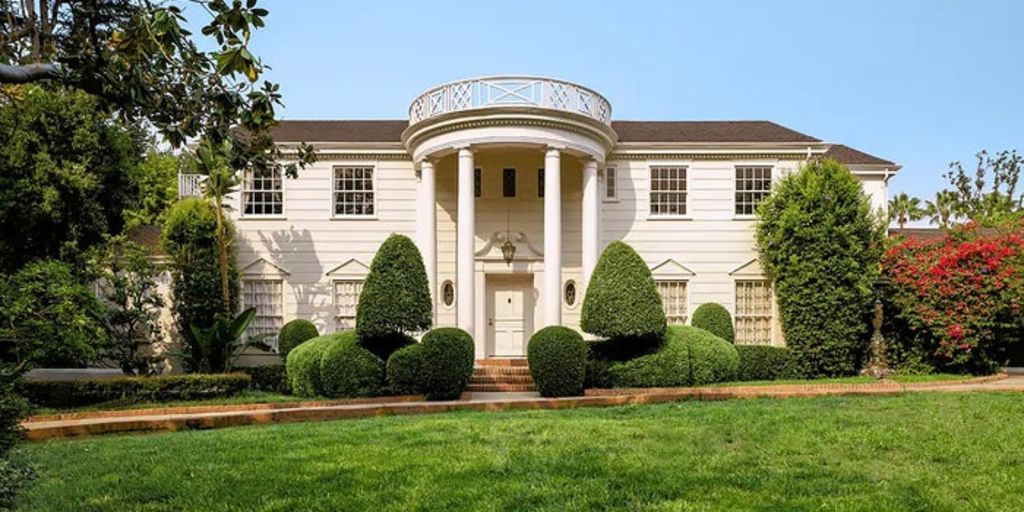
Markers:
<point>712,359</point>
<point>396,296</point>
<point>293,333</point>
<point>190,241</point>
<point>12,409</point>
<point>960,295</point>
<point>622,300</point>
<point>272,378</point>
<point>349,370</point>
<point>687,357</point>
<point>714,318</point>
<point>128,390</point>
<point>558,358</point>
<point>821,244</point>
<point>303,366</point>
<point>448,355</point>
<point>405,370</point>
<point>763,362</point>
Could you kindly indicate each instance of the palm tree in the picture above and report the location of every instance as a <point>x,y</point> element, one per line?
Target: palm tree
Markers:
<point>904,208</point>
<point>221,180</point>
<point>944,209</point>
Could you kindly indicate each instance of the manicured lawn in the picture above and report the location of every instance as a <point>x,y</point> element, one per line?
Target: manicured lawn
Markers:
<point>904,379</point>
<point>245,397</point>
<point>927,451</point>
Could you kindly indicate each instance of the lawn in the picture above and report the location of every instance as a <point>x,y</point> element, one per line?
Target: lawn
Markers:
<point>909,452</point>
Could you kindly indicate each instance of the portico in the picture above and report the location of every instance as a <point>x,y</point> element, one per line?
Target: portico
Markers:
<point>521,156</point>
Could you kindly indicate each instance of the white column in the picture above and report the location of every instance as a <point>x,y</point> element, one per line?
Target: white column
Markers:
<point>426,224</point>
<point>465,259</point>
<point>552,237</point>
<point>591,219</point>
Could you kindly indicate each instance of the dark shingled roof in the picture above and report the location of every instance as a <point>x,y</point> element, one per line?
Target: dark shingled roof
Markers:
<point>149,237</point>
<point>706,131</point>
<point>847,155</point>
<point>340,131</point>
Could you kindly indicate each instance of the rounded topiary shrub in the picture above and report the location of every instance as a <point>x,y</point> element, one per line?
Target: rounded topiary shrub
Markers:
<point>669,366</point>
<point>349,370</point>
<point>447,363</point>
<point>303,366</point>
<point>396,296</point>
<point>294,333</point>
<point>763,362</point>
<point>621,300</point>
<point>405,370</point>
<point>712,359</point>
<point>558,360</point>
<point>714,318</point>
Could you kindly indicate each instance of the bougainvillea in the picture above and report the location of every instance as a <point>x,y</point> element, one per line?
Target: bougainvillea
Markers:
<point>961,290</point>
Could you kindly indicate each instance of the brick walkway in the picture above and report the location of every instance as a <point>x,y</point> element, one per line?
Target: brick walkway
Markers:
<point>206,417</point>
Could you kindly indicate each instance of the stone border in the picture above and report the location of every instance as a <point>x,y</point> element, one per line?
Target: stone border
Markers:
<point>42,430</point>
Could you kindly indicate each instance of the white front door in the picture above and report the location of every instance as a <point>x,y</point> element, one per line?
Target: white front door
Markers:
<point>510,312</point>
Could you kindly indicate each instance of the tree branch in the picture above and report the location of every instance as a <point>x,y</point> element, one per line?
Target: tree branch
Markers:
<point>29,73</point>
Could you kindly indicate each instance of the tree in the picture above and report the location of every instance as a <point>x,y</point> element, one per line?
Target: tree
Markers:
<point>621,299</point>
<point>820,245</point>
<point>157,180</point>
<point>126,282</point>
<point>67,173</point>
<point>989,195</point>
<point>213,162</point>
<point>904,208</point>
<point>396,297</point>
<point>136,58</point>
<point>943,210</point>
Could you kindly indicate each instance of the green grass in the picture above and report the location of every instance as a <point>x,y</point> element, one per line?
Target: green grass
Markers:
<point>860,379</point>
<point>928,451</point>
<point>245,397</point>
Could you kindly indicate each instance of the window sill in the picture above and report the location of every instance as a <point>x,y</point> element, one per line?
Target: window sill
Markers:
<point>610,200</point>
<point>669,217</point>
<point>354,217</point>
<point>262,217</point>
<point>744,217</point>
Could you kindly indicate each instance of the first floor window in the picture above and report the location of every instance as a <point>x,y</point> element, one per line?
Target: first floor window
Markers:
<point>262,193</point>
<point>753,184</point>
<point>668,191</point>
<point>353,191</point>
<point>673,300</point>
<point>265,296</point>
<point>754,312</point>
<point>346,298</point>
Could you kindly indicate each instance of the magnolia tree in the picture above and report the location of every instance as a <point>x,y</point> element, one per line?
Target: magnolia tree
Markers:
<point>964,291</point>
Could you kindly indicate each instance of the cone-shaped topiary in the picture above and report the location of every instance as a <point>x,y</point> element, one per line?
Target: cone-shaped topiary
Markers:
<point>293,333</point>
<point>396,296</point>
<point>558,358</point>
<point>714,318</point>
<point>621,299</point>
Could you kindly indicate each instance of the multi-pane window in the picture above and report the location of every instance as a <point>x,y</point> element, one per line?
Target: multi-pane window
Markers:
<point>265,296</point>
<point>477,182</point>
<point>262,193</point>
<point>508,183</point>
<point>668,190</point>
<point>753,183</point>
<point>673,300</point>
<point>353,191</point>
<point>346,297</point>
<point>611,190</point>
<point>754,312</point>
<point>540,182</point>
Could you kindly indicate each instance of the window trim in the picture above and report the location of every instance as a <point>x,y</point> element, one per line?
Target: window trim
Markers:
<point>334,299</point>
<point>376,193</point>
<point>263,216</point>
<point>686,296</point>
<point>440,294</point>
<point>614,198</point>
<point>771,182</point>
<point>576,300</point>
<point>772,314</point>
<point>274,340</point>
<point>686,193</point>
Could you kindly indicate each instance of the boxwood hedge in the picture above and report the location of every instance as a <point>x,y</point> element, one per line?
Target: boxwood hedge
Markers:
<point>294,333</point>
<point>762,362</point>
<point>127,390</point>
<point>447,365</point>
<point>349,370</point>
<point>557,357</point>
<point>714,318</point>
<point>405,370</point>
<point>303,365</point>
<point>687,356</point>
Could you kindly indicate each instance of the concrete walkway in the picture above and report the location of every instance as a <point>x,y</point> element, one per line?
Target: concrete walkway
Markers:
<point>205,417</point>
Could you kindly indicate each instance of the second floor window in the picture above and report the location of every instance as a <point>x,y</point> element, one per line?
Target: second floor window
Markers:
<point>753,184</point>
<point>262,194</point>
<point>668,191</point>
<point>353,192</point>
<point>508,183</point>
<point>610,186</point>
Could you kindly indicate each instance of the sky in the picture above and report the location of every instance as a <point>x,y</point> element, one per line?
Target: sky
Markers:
<point>921,83</point>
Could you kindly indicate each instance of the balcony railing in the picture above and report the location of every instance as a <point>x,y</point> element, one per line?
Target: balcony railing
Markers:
<point>510,91</point>
<point>190,185</point>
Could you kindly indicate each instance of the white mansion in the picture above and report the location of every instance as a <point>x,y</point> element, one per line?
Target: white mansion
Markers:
<point>511,187</point>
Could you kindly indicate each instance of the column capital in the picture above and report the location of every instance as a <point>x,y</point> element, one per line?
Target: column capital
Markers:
<point>549,149</point>
<point>468,148</point>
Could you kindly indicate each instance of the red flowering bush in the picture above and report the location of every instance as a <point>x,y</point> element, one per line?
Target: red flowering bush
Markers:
<point>961,290</point>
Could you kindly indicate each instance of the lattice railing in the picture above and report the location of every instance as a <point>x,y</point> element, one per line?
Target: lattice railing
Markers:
<point>190,185</point>
<point>514,91</point>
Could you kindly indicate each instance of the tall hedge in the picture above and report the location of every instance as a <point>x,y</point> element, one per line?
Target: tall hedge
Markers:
<point>558,358</point>
<point>396,296</point>
<point>714,318</point>
<point>820,243</point>
<point>622,300</point>
<point>190,241</point>
<point>294,333</point>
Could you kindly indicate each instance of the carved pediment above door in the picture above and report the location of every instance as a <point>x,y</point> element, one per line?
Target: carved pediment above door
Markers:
<point>525,250</point>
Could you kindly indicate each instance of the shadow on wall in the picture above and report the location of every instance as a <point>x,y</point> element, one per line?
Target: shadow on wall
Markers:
<point>619,216</point>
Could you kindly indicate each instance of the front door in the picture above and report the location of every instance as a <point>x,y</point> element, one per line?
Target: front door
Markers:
<point>509,313</point>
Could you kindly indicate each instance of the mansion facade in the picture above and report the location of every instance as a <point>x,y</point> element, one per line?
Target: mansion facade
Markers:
<point>511,187</point>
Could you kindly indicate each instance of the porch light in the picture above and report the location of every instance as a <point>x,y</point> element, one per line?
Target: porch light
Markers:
<point>508,249</point>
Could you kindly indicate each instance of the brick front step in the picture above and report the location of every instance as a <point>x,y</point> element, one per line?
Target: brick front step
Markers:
<point>503,362</point>
<point>500,388</point>
<point>500,370</point>
<point>500,379</point>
